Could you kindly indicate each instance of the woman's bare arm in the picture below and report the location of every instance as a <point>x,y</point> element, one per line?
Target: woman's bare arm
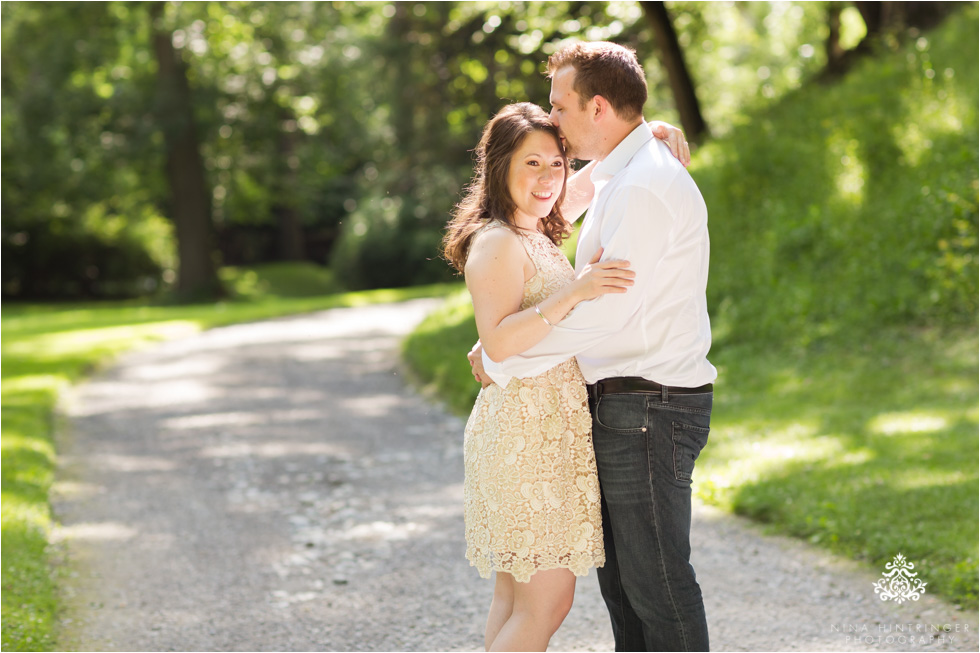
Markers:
<point>496,270</point>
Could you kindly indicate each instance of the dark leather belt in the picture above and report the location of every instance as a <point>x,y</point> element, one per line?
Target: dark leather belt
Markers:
<point>639,385</point>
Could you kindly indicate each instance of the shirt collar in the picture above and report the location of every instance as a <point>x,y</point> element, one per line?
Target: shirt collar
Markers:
<point>622,154</point>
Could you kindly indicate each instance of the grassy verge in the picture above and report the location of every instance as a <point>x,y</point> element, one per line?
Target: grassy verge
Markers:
<point>433,352</point>
<point>47,347</point>
<point>866,446</point>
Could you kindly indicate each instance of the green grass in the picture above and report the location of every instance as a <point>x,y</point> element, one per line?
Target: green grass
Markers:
<point>432,352</point>
<point>854,202</point>
<point>866,446</point>
<point>46,347</point>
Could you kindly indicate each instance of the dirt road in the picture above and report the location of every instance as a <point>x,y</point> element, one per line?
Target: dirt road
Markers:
<point>277,486</point>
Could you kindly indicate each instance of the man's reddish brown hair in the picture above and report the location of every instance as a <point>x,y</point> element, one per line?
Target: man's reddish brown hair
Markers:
<point>606,69</point>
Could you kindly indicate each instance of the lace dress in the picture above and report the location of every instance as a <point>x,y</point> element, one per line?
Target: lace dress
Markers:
<point>531,490</point>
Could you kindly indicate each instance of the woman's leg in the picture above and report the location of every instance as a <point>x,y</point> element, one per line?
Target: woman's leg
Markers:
<point>500,608</point>
<point>539,607</point>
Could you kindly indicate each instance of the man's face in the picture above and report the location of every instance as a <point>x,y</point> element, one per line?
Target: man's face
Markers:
<point>574,121</point>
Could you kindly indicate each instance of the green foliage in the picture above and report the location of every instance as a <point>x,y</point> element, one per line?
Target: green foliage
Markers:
<point>50,263</point>
<point>854,203</point>
<point>393,240</point>
<point>741,55</point>
<point>78,213</point>
<point>279,280</point>
<point>844,295</point>
<point>313,116</point>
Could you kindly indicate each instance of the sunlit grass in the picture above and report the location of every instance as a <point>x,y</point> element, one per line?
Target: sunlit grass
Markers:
<point>865,445</point>
<point>47,347</point>
<point>432,351</point>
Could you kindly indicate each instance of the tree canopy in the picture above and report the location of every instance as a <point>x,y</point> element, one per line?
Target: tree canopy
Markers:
<point>145,144</point>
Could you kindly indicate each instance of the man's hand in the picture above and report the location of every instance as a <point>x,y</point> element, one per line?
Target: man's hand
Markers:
<point>476,362</point>
<point>674,138</point>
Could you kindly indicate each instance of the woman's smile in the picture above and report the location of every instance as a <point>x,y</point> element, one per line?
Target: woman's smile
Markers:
<point>536,178</point>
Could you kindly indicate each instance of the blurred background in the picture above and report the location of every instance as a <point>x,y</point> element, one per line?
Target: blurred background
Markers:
<point>173,166</point>
<point>148,145</point>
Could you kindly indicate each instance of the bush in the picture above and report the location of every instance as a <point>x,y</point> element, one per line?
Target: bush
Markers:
<point>44,263</point>
<point>852,204</point>
<point>394,241</point>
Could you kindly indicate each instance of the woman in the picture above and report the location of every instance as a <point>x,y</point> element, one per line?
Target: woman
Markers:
<point>531,492</point>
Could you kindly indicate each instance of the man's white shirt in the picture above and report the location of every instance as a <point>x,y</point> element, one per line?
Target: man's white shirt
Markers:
<point>646,210</point>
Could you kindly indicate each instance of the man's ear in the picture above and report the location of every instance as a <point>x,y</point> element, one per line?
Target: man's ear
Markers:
<point>599,108</point>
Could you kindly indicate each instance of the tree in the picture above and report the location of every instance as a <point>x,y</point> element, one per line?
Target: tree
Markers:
<point>882,20</point>
<point>672,58</point>
<point>189,193</point>
<point>80,173</point>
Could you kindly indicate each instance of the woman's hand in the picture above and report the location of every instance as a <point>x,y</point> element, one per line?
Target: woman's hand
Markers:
<point>607,277</point>
<point>674,138</point>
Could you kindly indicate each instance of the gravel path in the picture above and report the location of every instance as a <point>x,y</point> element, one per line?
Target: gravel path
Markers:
<point>276,486</point>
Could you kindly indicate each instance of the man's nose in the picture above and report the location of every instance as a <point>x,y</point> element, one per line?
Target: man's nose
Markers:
<point>553,117</point>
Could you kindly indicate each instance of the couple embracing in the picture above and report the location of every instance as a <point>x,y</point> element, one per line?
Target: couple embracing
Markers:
<point>597,392</point>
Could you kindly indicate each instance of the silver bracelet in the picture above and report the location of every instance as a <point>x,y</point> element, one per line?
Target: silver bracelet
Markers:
<point>541,315</point>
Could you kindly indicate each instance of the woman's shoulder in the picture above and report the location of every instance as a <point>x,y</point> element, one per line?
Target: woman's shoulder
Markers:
<point>495,242</point>
<point>496,234</point>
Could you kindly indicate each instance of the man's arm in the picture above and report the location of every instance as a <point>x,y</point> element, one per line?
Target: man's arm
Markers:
<point>578,194</point>
<point>635,227</point>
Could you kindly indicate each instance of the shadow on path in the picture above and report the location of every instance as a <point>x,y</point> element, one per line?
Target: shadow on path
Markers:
<point>276,486</point>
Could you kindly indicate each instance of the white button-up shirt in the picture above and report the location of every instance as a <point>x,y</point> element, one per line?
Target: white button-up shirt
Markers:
<point>646,210</point>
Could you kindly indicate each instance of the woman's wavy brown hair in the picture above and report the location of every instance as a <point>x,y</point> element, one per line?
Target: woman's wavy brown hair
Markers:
<point>487,196</point>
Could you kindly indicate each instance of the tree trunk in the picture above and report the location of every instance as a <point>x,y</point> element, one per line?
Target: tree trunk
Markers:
<point>406,99</point>
<point>291,240</point>
<point>190,197</point>
<point>880,19</point>
<point>672,58</point>
<point>835,53</point>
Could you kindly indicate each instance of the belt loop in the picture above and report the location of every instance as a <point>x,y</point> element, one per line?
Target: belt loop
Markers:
<point>664,396</point>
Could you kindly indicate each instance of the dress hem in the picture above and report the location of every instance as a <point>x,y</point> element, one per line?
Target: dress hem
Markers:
<point>498,568</point>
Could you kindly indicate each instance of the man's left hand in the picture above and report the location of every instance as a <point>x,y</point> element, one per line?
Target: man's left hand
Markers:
<point>476,363</point>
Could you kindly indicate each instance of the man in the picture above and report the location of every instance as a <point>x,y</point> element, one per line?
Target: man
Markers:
<point>643,353</point>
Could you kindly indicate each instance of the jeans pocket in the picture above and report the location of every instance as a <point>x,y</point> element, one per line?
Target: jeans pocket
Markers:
<point>689,440</point>
<point>621,413</point>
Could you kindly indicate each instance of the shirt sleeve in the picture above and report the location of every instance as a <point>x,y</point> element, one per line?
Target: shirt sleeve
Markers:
<point>635,226</point>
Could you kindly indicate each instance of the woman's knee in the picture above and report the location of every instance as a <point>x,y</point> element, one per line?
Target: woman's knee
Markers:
<point>503,588</point>
<point>547,597</point>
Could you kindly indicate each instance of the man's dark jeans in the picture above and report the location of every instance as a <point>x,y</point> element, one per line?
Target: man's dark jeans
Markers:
<point>645,447</point>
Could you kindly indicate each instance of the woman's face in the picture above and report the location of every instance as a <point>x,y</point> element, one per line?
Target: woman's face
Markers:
<point>536,177</point>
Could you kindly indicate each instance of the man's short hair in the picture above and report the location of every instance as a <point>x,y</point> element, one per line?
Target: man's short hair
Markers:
<point>606,69</point>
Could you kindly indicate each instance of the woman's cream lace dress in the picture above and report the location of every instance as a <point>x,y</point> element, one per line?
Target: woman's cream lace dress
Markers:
<point>531,491</point>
